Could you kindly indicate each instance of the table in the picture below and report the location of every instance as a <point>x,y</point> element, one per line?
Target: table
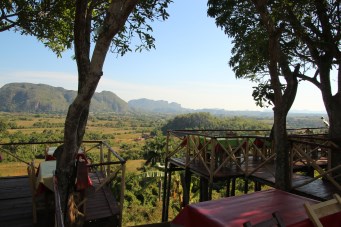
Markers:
<point>254,207</point>
<point>45,174</point>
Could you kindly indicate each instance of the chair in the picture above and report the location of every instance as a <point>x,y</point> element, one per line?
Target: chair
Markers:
<point>322,209</point>
<point>276,220</point>
<point>32,178</point>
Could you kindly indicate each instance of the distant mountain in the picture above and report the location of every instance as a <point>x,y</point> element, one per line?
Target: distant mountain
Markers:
<point>41,98</point>
<point>160,106</point>
<point>37,98</point>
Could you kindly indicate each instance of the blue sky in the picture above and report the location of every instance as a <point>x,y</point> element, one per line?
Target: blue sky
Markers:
<point>189,66</point>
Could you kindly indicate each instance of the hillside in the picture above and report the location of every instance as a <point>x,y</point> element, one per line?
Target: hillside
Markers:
<point>160,106</point>
<point>41,98</point>
<point>37,98</point>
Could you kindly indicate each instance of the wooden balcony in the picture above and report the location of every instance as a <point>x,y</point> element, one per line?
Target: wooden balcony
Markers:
<point>101,205</point>
<point>222,155</point>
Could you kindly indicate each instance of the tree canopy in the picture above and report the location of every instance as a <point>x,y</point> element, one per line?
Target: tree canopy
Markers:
<point>310,32</point>
<point>286,39</point>
<point>110,26</point>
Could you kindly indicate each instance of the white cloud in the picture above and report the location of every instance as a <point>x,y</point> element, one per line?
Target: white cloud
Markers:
<point>57,79</point>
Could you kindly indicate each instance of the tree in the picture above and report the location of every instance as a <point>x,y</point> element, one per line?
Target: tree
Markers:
<point>258,51</point>
<point>316,24</point>
<point>110,25</point>
<point>309,36</point>
<point>154,149</point>
<point>51,22</point>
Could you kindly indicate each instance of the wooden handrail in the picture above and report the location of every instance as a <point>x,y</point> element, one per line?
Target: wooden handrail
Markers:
<point>58,210</point>
<point>113,152</point>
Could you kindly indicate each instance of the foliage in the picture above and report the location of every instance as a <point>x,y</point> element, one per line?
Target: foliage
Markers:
<point>131,151</point>
<point>49,21</point>
<point>207,121</point>
<point>309,36</point>
<point>154,149</point>
<point>263,94</point>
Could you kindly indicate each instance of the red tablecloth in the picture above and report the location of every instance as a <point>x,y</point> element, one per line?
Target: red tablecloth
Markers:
<point>254,207</point>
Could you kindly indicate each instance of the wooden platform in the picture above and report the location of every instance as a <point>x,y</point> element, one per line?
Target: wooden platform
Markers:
<point>16,203</point>
<point>319,189</point>
<point>102,204</point>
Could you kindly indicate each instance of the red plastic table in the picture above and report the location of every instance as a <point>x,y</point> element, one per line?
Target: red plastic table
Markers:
<point>254,207</point>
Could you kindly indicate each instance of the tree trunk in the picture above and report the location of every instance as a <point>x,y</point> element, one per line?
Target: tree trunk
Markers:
<point>282,174</point>
<point>282,100</point>
<point>333,107</point>
<point>334,114</point>
<point>89,74</point>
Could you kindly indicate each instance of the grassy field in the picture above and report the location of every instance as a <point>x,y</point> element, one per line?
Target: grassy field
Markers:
<point>15,168</point>
<point>20,168</point>
<point>119,129</point>
<point>134,165</point>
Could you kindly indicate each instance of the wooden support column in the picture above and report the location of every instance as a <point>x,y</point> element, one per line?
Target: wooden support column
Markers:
<point>233,189</point>
<point>258,186</point>
<point>166,191</point>
<point>212,167</point>
<point>186,185</point>
<point>310,171</point>
<point>166,187</point>
<point>246,185</point>
<point>203,189</point>
<point>228,187</point>
<point>101,157</point>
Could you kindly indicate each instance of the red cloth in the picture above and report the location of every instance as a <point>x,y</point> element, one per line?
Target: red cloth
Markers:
<point>254,207</point>
<point>49,158</point>
<point>82,180</point>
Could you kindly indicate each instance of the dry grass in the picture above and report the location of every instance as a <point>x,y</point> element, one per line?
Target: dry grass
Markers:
<point>20,169</point>
<point>10,169</point>
<point>134,165</point>
<point>13,169</point>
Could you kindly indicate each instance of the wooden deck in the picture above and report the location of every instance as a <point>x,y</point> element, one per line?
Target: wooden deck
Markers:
<point>102,204</point>
<point>16,204</point>
<point>319,189</point>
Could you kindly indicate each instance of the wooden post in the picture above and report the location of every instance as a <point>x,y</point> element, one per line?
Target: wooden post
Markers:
<point>228,187</point>
<point>246,185</point>
<point>160,188</point>
<point>168,192</point>
<point>123,168</point>
<point>246,156</point>
<point>186,184</point>
<point>258,186</point>
<point>101,157</point>
<point>233,189</point>
<point>166,187</point>
<point>108,160</point>
<point>212,167</point>
<point>203,189</point>
<point>188,150</point>
<point>165,194</point>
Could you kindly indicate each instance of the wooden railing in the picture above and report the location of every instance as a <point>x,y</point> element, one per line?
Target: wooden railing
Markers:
<point>218,150</point>
<point>310,152</point>
<point>250,150</point>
